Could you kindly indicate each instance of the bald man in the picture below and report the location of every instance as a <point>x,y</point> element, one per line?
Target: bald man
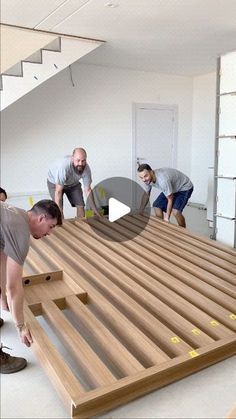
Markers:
<point>65,175</point>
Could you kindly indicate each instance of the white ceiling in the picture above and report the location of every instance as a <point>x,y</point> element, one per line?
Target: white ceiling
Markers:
<point>169,36</point>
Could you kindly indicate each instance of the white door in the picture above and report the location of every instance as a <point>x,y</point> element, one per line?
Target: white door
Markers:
<point>154,138</point>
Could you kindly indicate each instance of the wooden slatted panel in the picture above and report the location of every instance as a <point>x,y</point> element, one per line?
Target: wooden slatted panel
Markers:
<point>163,311</point>
<point>159,303</point>
<point>216,266</point>
<point>209,285</point>
<point>177,279</point>
<point>156,288</point>
<point>137,342</point>
<point>149,232</point>
<point>143,318</point>
<point>210,246</point>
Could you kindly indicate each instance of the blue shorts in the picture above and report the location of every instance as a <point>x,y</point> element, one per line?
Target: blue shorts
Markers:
<point>179,202</point>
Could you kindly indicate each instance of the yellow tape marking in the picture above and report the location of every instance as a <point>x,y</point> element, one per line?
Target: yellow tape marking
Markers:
<point>233,316</point>
<point>89,213</point>
<point>214,323</point>
<point>102,192</point>
<point>175,339</point>
<point>196,331</point>
<point>31,201</point>
<point>193,354</point>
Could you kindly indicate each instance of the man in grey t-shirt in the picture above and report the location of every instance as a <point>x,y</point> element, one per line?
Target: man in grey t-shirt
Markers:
<point>16,227</point>
<point>64,176</point>
<point>176,190</point>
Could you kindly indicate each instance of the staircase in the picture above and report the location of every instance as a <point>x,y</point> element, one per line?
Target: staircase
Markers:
<point>44,63</point>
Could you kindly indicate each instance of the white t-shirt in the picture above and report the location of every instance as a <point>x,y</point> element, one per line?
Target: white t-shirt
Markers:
<point>170,181</point>
<point>62,172</point>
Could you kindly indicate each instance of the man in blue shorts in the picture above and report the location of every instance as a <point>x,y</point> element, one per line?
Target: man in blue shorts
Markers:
<point>176,189</point>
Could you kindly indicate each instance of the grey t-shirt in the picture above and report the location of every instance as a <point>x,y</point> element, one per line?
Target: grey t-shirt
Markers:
<point>170,181</point>
<point>14,232</point>
<point>62,172</point>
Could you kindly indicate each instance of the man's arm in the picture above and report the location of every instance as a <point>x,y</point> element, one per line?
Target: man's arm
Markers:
<point>58,197</point>
<point>169,207</point>
<point>89,195</point>
<point>144,201</point>
<point>15,295</point>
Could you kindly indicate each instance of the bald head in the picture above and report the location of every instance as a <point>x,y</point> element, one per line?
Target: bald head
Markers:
<point>80,150</point>
<point>79,159</point>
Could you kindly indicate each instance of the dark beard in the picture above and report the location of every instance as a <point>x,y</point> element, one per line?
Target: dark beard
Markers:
<point>79,170</point>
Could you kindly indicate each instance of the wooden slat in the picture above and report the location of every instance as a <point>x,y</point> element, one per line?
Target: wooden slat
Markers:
<point>63,379</point>
<point>94,370</point>
<point>36,262</point>
<point>124,362</point>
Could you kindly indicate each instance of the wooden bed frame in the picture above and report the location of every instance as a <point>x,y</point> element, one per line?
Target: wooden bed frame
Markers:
<point>134,315</point>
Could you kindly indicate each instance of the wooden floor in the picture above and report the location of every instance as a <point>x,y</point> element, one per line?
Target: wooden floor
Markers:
<point>133,315</point>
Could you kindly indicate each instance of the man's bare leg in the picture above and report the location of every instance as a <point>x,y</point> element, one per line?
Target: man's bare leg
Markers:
<point>180,218</point>
<point>3,278</point>
<point>158,213</point>
<point>80,212</point>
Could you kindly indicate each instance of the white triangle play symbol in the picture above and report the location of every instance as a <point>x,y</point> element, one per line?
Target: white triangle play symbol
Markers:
<point>117,209</point>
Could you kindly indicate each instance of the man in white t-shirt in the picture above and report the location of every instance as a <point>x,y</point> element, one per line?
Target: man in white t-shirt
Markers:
<point>64,176</point>
<point>176,190</point>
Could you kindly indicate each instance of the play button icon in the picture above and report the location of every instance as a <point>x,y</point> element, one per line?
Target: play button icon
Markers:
<point>117,210</point>
<point>120,199</point>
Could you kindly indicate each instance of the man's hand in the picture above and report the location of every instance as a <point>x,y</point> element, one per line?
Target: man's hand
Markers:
<point>166,218</point>
<point>25,335</point>
<point>97,214</point>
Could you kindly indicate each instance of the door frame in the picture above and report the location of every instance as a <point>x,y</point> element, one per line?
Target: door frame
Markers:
<point>135,107</point>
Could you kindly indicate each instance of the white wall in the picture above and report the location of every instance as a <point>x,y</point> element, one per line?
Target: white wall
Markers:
<point>203,134</point>
<point>96,114</point>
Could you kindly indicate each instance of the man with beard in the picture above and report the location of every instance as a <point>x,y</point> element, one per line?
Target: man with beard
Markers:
<point>16,227</point>
<point>64,177</point>
<point>176,189</point>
